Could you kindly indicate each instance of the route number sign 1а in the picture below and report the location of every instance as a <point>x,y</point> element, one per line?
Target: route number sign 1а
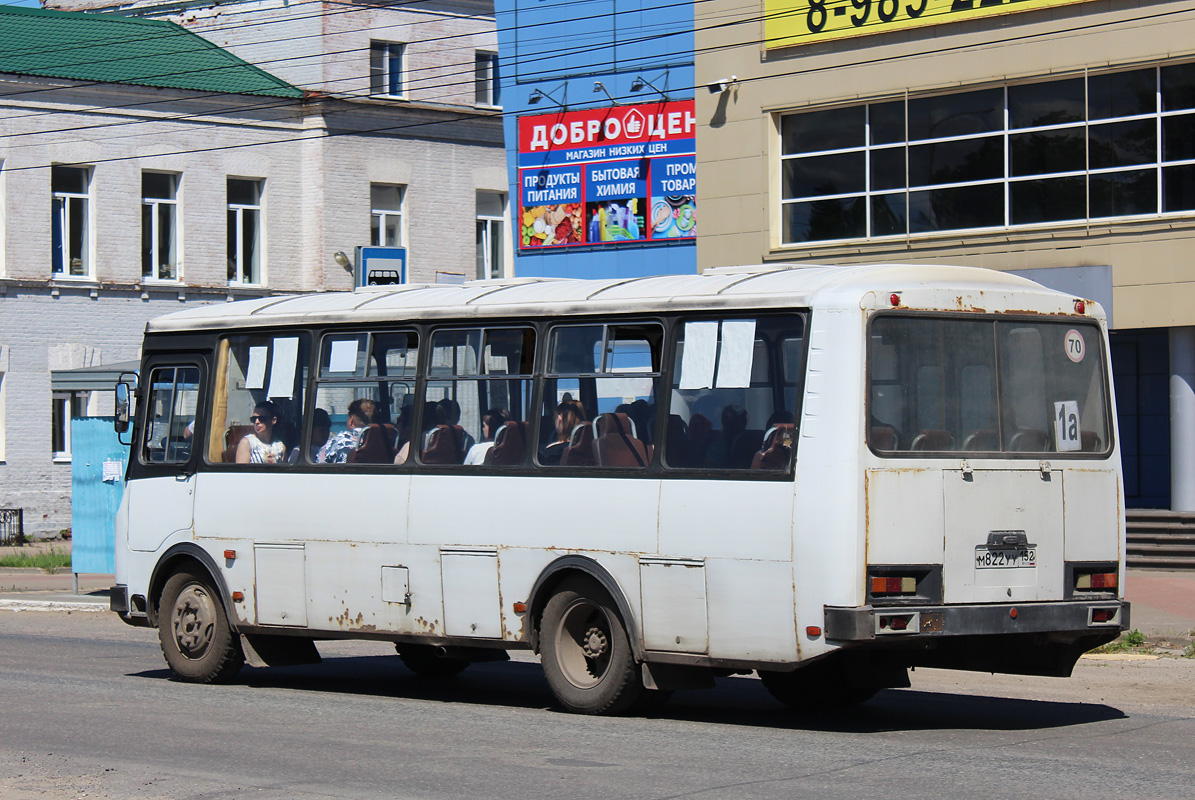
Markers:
<point>795,22</point>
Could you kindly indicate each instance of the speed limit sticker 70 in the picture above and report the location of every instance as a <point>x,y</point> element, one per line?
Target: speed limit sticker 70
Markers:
<point>1075,349</point>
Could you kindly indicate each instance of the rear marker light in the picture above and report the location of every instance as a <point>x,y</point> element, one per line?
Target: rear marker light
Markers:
<point>887,585</point>
<point>1103,614</point>
<point>1096,580</point>
<point>909,622</point>
<point>520,608</point>
<point>813,631</point>
<point>238,597</point>
<point>1012,612</point>
<point>1080,307</point>
<point>894,299</point>
<point>230,555</point>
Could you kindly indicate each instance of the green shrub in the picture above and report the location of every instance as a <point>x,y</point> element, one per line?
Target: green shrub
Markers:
<point>49,561</point>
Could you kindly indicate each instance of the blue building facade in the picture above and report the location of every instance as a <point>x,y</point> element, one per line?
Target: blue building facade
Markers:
<point>600,136</point>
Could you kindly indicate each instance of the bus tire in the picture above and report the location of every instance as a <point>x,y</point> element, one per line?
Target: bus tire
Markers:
<point>424,661</point>
<point>818,688</point>
<point>197,641</point>
<point>586,654</point>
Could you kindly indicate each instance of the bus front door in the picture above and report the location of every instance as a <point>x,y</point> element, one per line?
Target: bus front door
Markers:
<point>162,480</point>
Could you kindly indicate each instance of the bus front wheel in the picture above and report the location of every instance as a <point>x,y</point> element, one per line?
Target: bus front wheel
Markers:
<point>197,641</point>
<point>586,654</point>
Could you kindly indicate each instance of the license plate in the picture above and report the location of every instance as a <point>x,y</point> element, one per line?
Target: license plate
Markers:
<point>1005,557</point>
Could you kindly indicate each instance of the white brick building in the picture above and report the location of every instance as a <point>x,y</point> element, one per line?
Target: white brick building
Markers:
<point>93,161</point>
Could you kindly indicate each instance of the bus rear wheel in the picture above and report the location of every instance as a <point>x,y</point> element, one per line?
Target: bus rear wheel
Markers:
<point>197,641</point>
<point>586,654</point>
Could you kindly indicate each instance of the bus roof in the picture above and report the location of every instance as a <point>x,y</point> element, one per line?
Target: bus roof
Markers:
<point>928,287</point>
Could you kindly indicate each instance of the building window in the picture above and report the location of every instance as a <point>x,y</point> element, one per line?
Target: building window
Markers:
<point>70,225</point>
<point>244,231</point>
<point>1108,145</point>
<point>490,244</point>
<point>159,226</point>
<point>385,215</point>
<point>386,69</point>
<point>487,92</point>
<point>65,406</point>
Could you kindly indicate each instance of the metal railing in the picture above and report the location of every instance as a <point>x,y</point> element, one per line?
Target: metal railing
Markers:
<point>12,526</point>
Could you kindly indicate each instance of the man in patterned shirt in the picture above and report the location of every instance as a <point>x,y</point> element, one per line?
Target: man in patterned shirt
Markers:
<point>336,450</point>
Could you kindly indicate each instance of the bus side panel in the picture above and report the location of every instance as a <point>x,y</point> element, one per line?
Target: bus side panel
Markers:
<point>726,519</point>
<point>281,506</point>
<point>750,610</point>
<point>906,519</point>
<point>535,511</point>
<point>828,521</point>
<point>373,588</point>
<point>1092,511</point>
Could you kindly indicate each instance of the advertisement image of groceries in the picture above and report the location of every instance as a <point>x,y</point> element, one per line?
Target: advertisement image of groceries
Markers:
<point>608,176</point>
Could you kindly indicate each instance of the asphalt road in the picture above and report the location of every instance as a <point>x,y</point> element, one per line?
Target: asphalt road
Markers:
<point>88,710</point>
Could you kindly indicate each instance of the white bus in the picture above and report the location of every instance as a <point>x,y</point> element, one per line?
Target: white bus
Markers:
<point>823,474</point>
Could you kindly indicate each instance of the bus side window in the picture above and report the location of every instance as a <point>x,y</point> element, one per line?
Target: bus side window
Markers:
<point>251,369</point>
<point>734,393</point>
<point>170,415</point>
<point>600,396</point>
<point>363,395</point>
<point>479,381</point>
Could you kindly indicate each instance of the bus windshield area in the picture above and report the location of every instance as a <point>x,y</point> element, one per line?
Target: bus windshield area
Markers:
<point>946,385</point>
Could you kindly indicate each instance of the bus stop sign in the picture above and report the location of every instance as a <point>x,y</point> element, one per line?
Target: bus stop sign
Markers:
<point>380,266</point>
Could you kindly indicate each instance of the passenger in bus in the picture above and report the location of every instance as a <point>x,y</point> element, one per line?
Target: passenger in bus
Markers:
<point>642,415</point>
<point>491,422</point>
<point>569,414</point>
<point>448,412</point>
<point>321,430</point>
<point>336,450</point>
<point>725,450</point>
<point>262,445</point>
<point>431,419</point>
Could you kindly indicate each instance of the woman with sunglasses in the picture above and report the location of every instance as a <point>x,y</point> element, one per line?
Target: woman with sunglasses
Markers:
<point>262,446</point>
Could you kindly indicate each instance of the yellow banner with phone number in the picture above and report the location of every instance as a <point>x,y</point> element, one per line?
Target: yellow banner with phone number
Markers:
<point>788,23</point>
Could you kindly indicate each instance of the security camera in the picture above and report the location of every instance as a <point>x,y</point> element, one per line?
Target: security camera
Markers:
<point>722,84</point>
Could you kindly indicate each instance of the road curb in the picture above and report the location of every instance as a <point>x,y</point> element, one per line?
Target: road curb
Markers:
<point>49,605</point>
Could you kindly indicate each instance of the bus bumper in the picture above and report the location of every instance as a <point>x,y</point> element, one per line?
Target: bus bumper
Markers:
<point>118,603</point>
<point>1075,618</point>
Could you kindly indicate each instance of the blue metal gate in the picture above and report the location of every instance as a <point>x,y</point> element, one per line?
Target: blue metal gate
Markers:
<point>95,495</point>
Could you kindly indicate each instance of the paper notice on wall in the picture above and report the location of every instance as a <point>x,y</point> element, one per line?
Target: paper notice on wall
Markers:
<point>344,356</point>
<point>738,349</point>
<point>697,359</point>
<point>112,471</point>
<point>1066,426</point>
<point>282,368</point>
<point>255,375</point>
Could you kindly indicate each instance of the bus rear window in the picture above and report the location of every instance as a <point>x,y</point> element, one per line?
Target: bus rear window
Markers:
<point>986,386</point>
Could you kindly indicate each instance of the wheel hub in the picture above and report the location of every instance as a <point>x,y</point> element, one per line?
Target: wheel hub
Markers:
<point>595,643</point>
<point>194,621</point>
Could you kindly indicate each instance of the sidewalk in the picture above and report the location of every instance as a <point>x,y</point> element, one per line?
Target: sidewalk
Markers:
<point>30,589</point>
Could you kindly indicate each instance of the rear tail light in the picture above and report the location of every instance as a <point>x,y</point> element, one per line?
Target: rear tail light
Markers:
<point>1103,614</point>
<point>898,622</point>
<point>889,585</point>
<point>1095,581</point>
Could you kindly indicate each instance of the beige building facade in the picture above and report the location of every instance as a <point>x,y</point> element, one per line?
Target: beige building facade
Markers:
<point>1056,138</point>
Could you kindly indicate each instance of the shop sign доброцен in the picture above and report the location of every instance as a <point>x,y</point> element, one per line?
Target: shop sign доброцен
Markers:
<point>605,176</point>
